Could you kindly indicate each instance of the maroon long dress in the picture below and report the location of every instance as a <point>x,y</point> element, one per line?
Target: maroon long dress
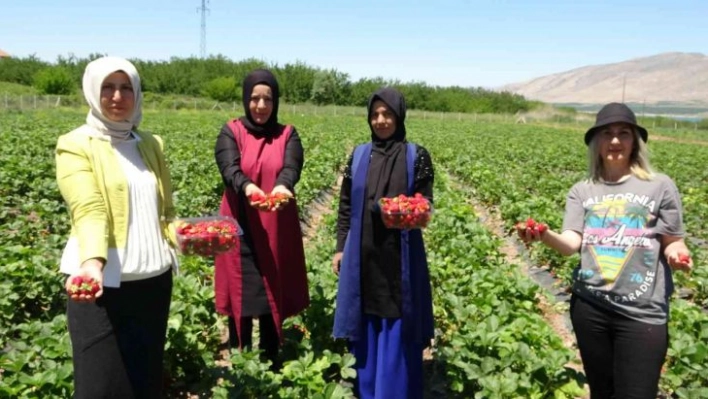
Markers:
<point>276,236</point>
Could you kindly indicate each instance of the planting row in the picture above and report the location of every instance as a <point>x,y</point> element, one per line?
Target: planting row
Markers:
<point>527,171</point>
<point>34,344</point>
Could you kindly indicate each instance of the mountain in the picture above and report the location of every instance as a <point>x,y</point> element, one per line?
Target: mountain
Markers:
<point>676,79</point>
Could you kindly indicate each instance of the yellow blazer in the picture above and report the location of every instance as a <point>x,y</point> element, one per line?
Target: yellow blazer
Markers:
<point>95,189</point>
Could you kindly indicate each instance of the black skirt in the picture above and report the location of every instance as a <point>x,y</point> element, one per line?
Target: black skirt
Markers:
<point>118,341</point>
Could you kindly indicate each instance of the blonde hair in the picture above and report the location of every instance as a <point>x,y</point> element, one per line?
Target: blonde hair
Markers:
<point>638,160</point>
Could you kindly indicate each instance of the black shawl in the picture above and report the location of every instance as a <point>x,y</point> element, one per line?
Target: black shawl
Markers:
<point>381,247</point>
<point>260,76</point>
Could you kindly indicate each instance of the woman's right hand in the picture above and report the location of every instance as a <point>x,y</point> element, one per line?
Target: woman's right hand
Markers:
<point>251,189</point>
<point>91,268</point>
<point>337,262</point>
<point>528,236</point>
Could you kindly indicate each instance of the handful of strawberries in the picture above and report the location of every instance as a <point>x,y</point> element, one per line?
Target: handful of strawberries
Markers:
<point>269,202</point>
<point>531,226</point>
<point>83,288</point>
<point>404,212</point>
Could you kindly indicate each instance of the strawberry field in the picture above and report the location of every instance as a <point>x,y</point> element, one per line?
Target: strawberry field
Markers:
<point>492,340</point>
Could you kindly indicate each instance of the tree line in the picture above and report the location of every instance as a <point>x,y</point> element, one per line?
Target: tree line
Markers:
<point>220,78</point>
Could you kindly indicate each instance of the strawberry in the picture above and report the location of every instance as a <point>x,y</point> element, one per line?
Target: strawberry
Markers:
<point>207,238</point>
<point>269,202</point>
<point>530,223</point>
<point>531,226</point>
<point>83,288</point>
<point>302,329</point>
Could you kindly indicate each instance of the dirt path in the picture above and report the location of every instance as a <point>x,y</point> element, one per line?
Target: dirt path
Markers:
<point>317,210</point>
<point>556,318</point>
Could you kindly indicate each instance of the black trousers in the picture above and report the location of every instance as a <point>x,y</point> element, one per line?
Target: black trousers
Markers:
<point>622,357</point>
<point>118,342</point>
<point>269,341</point>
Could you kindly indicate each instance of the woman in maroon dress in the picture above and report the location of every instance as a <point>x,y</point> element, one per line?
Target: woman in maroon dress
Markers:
<point>266,276</point>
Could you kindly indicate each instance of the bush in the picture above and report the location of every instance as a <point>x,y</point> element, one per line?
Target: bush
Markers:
<point>223,89</point>
<point>54,81</point>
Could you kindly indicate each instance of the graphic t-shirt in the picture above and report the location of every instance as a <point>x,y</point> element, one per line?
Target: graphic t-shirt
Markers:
<point>621,266</point>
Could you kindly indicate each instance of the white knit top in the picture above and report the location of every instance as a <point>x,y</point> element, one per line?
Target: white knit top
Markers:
<point>147,252</point>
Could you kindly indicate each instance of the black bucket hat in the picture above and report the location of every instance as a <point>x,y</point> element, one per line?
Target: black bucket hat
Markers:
<point>613,113</point>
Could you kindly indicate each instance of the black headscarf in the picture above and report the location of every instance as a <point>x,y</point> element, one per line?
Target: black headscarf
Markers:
<point>395,101</point>
<point>260,76</point>
<point>387,171</point>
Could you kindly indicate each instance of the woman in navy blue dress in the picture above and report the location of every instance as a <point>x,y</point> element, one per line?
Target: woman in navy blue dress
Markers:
<point>384,305</point>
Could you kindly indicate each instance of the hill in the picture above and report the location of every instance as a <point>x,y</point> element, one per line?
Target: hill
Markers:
<point>677,81</point>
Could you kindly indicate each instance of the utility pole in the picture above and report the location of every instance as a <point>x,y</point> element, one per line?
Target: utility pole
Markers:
<point>644,103</point>
<point>624,85</point>
<point>202,44</point>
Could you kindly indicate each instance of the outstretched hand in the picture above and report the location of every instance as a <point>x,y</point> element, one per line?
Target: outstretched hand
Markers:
<point>530,231</point>
<point>252,189</point>
<point>90,269</point>
<point>280,189</point>
<point>680,261</point>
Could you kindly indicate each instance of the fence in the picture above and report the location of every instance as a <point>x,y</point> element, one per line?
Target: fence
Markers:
<point>164,102</point>
<point>157,102</point>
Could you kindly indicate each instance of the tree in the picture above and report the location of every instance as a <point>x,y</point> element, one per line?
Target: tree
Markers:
<point>331,87</point>
<point>54,80</point>
<point>296,82</point>
<point>21,70</point>
<point>223,89</point>
<point>363,88</point>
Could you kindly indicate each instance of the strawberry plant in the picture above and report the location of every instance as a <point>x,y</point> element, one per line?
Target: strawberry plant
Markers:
<point>490,341</point>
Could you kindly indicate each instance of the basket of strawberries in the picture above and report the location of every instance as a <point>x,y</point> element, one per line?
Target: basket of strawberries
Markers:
<point>207,236</point>
<point>405,212</point>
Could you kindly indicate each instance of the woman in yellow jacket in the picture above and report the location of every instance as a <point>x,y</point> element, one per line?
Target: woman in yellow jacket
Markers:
<point>117,188</point>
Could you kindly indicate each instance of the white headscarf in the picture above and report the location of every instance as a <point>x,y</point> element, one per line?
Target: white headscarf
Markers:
<point>96,72</point>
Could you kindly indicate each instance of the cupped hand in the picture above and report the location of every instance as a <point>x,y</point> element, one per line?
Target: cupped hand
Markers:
<point>528,236</point>
<point>90,269</point>
<point>680,261</point>
<point>251,189</point>
<point>280,189</point>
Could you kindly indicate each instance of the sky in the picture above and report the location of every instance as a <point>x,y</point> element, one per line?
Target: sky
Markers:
<point>439,42</point>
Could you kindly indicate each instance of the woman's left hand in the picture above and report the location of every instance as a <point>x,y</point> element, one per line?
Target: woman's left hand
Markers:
<point>280,189</point>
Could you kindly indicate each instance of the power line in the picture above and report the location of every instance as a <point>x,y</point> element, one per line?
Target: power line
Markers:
<point>202,44</point>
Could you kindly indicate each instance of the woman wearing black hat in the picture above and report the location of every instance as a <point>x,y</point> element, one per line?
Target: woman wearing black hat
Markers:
<point>384,304</point>
<point>266,276</point>
<point>626,222</point>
